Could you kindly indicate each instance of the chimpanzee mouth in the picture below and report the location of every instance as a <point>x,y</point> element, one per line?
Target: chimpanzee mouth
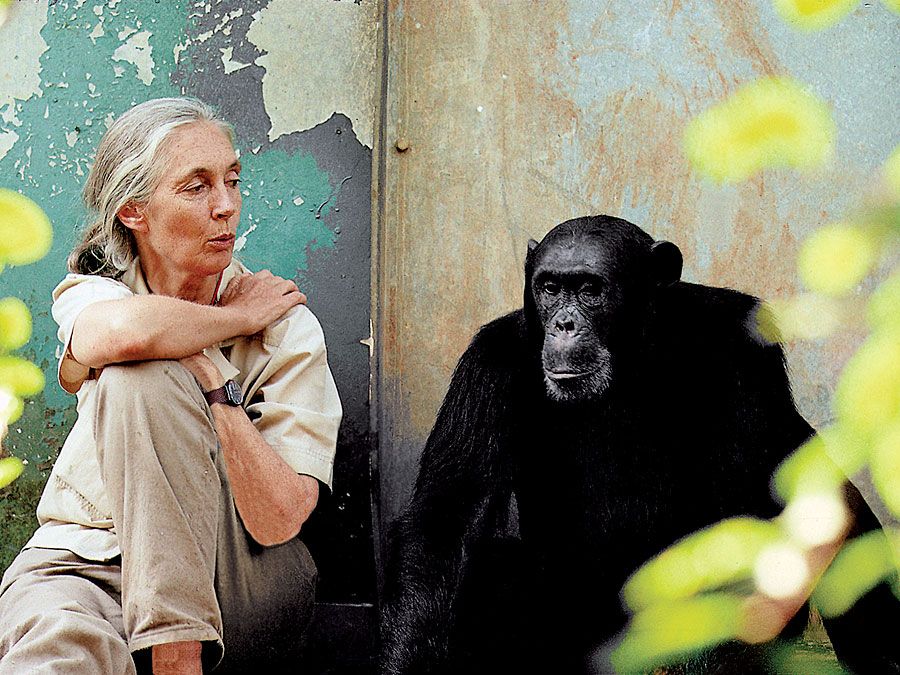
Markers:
<point>571,387</point>
<point>567,375</point>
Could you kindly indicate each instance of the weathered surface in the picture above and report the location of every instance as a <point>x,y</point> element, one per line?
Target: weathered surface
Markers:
<point>306,208</point>
<point>518,115</point>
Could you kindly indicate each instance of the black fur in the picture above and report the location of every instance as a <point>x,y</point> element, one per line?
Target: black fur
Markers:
<point>696,418</point>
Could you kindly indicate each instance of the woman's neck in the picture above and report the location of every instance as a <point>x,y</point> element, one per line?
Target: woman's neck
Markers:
<point>201,290</point>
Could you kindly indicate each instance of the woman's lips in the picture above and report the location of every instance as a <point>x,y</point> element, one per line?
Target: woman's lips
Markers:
<point>222,242</point>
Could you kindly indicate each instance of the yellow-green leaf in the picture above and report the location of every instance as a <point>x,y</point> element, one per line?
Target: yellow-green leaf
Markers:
<point>808,316</point>
<point>822,464</point>
<point>771,122</point>
<point>21,377</point>
<point>892,165</point>
<point>11,407</point>
<point>720,554</point>
<point>10,469</point>
<point>25,230</point>
<point>859,566</point>
<point>885,466</point>
<point>15,324</point>
<point>868,393</point>
<point>671,631</point>
<point>835,258</point>
<point>883,310</point>
<point>812,15</point>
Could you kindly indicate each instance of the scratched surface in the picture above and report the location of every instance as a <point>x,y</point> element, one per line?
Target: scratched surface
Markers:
<point>76,64</point>
<point>518,115</point>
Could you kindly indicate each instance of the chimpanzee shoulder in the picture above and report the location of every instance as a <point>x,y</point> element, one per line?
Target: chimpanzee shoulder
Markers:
<point>712,336</point>
<point>501,342</point>
<point>705,315</point>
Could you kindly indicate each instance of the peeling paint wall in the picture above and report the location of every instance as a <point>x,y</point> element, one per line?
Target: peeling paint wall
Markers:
<point>302,103</point>
<point>518,115</point>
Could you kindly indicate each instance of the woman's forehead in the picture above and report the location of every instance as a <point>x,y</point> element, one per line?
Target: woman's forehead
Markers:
<point>198,145</point>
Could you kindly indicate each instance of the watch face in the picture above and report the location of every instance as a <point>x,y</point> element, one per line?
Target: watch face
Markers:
<point>233,392</point>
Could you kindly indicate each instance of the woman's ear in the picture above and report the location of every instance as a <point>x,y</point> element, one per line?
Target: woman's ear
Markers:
<point>132,216</point>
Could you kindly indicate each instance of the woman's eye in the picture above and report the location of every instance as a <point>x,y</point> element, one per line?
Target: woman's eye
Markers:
<point>234,182</point>
<point>194,188</point>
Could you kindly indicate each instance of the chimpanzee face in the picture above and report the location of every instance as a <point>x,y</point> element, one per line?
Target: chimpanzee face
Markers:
<point>576,302</point>
<point>589,285</point>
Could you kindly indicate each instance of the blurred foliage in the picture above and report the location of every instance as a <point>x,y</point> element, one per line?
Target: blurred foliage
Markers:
<point>713,557</point>
<point>740,580</point>
<point>860,566</point>
<point>802,658</point>
<point>770,122</point>
<point>667,632</point>
<point>813,15</point>
<point>25,236</point>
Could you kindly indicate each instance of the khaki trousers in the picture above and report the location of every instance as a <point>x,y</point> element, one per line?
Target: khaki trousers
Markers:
<point>188,569</point>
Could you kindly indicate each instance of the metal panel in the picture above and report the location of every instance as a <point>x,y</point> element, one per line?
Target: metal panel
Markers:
<point>506,117</point>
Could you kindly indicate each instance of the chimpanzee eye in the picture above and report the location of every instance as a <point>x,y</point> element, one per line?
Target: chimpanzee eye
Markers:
<point>590,291</point>
<point>551,287</point>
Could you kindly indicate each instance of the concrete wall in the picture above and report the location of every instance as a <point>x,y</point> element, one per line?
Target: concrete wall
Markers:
<point>298,81</point>
<point>518,115</point>
<point>498,119</point>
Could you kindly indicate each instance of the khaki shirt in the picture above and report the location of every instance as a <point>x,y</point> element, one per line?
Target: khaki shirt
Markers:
<point>289,393</point>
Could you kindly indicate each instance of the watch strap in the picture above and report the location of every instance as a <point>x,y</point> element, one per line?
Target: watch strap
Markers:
<point>229,394</point>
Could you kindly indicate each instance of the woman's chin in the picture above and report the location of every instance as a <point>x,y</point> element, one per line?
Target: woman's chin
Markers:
<point>214,263</point>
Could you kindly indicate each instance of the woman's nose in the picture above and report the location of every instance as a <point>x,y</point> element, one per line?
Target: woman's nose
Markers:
<point>224,203</point>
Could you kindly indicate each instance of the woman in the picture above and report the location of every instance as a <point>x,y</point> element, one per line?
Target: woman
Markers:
<point>207,418</point>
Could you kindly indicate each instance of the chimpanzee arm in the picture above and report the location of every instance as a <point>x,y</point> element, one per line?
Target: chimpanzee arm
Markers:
<point>864,638</point>
<point>461,481</point>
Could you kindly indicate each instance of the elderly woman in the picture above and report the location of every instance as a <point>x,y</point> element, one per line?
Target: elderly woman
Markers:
<point>207,419</point>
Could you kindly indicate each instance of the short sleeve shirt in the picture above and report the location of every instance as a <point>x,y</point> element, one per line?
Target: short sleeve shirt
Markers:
<point>289,394</point>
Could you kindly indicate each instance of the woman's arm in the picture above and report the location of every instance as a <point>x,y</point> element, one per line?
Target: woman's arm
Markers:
<point>145,327</point>
<point>272,500</point>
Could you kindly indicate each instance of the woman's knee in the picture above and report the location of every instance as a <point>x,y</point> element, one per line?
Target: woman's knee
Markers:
<point>152,385</point>
<point>159,401</point>
<point>146,379</point>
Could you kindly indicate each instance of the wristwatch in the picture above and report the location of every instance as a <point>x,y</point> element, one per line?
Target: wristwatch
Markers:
<point>229,394</point>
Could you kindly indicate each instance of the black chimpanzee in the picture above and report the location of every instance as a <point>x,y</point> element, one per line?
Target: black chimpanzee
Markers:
<point>618,411</point>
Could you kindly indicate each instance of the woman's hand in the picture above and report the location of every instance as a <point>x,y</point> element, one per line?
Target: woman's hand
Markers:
<point>260,299</point>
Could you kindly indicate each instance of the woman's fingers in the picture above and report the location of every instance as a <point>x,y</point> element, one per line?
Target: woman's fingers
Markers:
<point>262,297</point>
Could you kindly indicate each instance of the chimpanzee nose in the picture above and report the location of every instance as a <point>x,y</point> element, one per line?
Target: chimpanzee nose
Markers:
<point>566,325</point>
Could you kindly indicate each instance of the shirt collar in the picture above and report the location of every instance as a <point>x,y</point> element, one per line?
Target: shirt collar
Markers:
<point>133,277</point>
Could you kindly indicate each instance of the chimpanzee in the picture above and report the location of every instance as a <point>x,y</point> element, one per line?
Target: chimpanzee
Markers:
<point>619,410</point>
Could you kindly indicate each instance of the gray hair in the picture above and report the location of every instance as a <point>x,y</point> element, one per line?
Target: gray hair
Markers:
<point>127,168</point>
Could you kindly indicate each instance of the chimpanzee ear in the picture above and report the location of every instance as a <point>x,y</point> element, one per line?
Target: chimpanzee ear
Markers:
<point>666,261</point>
<point>529,255</point>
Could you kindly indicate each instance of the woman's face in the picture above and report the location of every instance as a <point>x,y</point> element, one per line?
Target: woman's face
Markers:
<point>187,229</point>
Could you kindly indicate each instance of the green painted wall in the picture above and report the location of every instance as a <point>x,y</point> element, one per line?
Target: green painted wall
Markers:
<point>75,65</point>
